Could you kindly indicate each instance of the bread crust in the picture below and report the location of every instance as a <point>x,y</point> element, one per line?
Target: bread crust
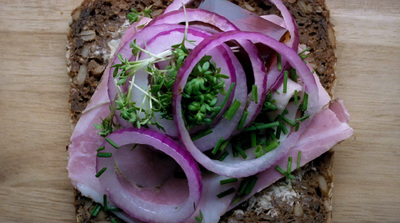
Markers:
<point>305,199</point>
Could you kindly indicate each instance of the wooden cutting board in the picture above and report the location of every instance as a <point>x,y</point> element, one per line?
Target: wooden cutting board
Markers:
<point>34,118</point>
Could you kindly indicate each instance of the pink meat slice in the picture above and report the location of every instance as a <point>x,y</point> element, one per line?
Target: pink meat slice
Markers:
<point>327,128</point>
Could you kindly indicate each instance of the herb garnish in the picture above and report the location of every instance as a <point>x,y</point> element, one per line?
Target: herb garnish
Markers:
<point>199,101</point>
<point>135,16</point>
<point>200,218</point>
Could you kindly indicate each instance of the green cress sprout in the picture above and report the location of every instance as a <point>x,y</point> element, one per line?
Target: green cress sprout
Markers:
<point>135,16</point>
<point>199,95</point>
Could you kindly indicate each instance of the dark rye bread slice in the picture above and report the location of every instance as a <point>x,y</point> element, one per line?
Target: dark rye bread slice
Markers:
<point>95,27</point>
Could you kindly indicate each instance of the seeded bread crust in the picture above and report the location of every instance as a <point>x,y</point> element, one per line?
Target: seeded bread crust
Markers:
<point>95,27</point>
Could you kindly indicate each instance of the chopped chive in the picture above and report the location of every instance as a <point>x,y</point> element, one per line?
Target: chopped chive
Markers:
<point>289,164</point>
<point>101,148</point>
<point>259,151</point>
<point>285,79</point>
<point>223,156</point>
<point>283,172</point>
<point>263,126</point>
<point>298,160</point>
<point>271,146</point>
<point>104,155</point>
<point>273,137</point>
<point>243,186</point>
<point>225,193</point>
<point>96,210</point>
<point>113,220</point>
<point>288,121</point>
<point>305,102</point>
<point>297,126</point>
<point>295,97</point>
<point>237,200</point>
<point>279,62</point>
<point>302,118</point>
<point>278,132</point>
<point>240,150</point>
<point>232,110</point>
<point>307,49</point>
<point>114,209</point>
<point>242,120</point>
<point>200,218</point>
<point>105,201</point>
<point>270,107</point>
<point>284,129</point>
<point>293,74</point>
<point>219,143</point>
<point>228,181</point>
<point>221,106</point>
<point>285,112</point>
<point>202,134</point>
<point>224,145</point>
<point>253,136</point>
<point>235,153</point>
<point>251,185</point>
<point>98,174</point>
<point>280,170</point>
<point>113,144</point>
<point>254,96</point>
<point>134,147</point>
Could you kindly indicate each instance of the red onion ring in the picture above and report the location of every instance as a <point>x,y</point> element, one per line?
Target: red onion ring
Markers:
<point>128,198</point>
<point>153,42</point>
<point>247,167</point>
<point>176,4</point>
<point>275,77</point>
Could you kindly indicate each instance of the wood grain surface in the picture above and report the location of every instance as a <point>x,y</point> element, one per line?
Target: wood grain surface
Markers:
<point>35,129</point>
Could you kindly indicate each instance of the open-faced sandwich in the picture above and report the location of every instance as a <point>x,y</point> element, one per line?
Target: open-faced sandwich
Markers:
<point>203,111</point>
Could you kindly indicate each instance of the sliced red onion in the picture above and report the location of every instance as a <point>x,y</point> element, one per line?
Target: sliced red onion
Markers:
<point>275,77</point>
<point>194,15</point>
<point>176,5</point>
<point>167,36</point>
<point>239,93</point>
<point>168,202</point>
<point>247,167</point>
<point>164,40</point>
<point>242,18</point>
<point>221,23</point>
<point>327,128</point>
<point>125,50</point>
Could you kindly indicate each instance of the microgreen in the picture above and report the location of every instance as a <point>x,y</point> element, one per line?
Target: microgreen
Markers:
<point>135,16</point>
<point>199,95</point>
<point>199,98</point>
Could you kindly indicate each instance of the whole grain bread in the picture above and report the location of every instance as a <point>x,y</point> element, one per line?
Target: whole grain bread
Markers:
<point>97,25</point>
